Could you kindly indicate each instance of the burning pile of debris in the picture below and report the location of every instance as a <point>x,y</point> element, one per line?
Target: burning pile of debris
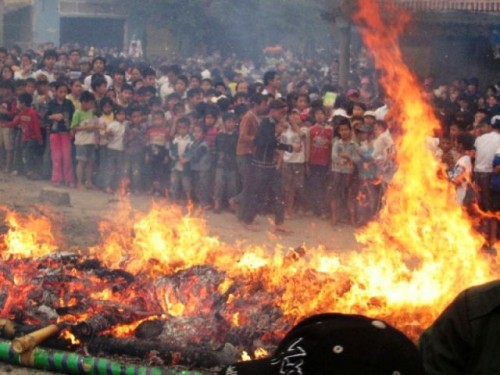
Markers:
<point>67,294</point>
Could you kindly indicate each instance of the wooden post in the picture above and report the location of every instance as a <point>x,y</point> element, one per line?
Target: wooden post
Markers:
<point>344,34</point>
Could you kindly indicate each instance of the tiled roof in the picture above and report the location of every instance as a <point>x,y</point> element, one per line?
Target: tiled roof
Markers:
<point>447,5</point>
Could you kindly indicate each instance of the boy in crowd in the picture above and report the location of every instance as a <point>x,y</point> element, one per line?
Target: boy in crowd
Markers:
<point>293,166</point>
<point>85,126</point>
<point>134,141</point>
<point>31,135</point>
<point>180,177</point>
<point>126,95</point>
<point>157,139</point>
<point>106,117</point>
<point>115,132</point>
<point>200,162</point>
<point>321,137</point>
<point>49,62</point>
<point>225,161</point>
<point>343,181</point>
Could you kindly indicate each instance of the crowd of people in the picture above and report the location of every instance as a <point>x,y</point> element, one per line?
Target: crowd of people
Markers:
<point>249,137</point>
<point>278,135</point>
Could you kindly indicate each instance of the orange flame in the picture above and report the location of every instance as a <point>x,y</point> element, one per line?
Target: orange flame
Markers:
<point>27,237</point>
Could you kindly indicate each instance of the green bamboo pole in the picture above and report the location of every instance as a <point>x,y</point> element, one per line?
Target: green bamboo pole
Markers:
<point>74,364</point>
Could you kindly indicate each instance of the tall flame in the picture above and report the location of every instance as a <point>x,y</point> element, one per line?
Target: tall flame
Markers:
<point>421,222</point>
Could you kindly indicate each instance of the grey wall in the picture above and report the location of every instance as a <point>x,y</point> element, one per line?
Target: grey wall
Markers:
<point>46,21</point>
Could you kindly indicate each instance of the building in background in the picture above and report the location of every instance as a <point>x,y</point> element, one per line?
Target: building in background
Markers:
<point>29,23</point>
<point>454,38</point>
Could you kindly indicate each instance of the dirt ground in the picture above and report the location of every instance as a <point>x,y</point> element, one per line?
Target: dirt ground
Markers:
<point>79,224</point>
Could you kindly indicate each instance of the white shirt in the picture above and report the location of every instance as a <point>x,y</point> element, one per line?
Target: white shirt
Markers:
<point>382,146</point>
<point>486,146</point>
<point>290,137</point>
<point>182,144</point>
<point>166,89</point>
<point>277,95</point>
<point>117,129</point>
<point>381,112</point>
<point>20,75</point>
<point>88,81</point>
<point>86,137</point>
<point>50,76</point>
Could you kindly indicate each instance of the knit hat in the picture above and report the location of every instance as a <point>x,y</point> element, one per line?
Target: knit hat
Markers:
<point>330,344</point>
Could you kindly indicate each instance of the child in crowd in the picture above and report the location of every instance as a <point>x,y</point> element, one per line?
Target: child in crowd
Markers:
<point>293,166</point>
<point>226,173</point>
<point>210,125</point>
<point>115,132</point>
<point>321,136</point>
<point>449,155</point>
<point>85,127</point>
<point>343,181</point>
<point>8,133</point>
<point>180,178</point>
<point>461,174</point>
<point>76,90</point>
<point>157,140</point>
<point>58,116</point>
<point>41,98</point>
<point>31,135</point>
<point>200,162</point>
<point>368,198</point>
<point>383,152</point>
<point>125,96</point>
<point>106,117</point>
<point>134,141</point>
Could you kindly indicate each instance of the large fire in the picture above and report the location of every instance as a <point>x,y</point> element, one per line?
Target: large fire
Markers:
<point>418,254</point>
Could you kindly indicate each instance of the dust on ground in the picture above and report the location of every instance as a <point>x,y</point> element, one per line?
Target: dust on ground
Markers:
<point>79,221</point>
<point>78,224</point>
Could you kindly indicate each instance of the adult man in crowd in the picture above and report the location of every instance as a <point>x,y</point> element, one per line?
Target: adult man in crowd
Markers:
<point>265,175</point>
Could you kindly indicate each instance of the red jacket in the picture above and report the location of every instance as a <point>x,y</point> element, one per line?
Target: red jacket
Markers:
<point>29,122</point>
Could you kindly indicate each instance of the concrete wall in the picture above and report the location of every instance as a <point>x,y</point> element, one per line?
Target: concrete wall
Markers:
<point>18,28</point>
<point>46,22</point>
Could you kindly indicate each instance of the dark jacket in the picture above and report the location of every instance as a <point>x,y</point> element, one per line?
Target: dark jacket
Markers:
<point>67,109</point>
<point>225,150</point>
<point>266,143</point>
<point>465,338</point>
<point>199,156</point>
<point>134,139</point>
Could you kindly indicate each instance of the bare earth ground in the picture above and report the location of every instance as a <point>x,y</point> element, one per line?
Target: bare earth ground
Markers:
<point>79,225</point>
